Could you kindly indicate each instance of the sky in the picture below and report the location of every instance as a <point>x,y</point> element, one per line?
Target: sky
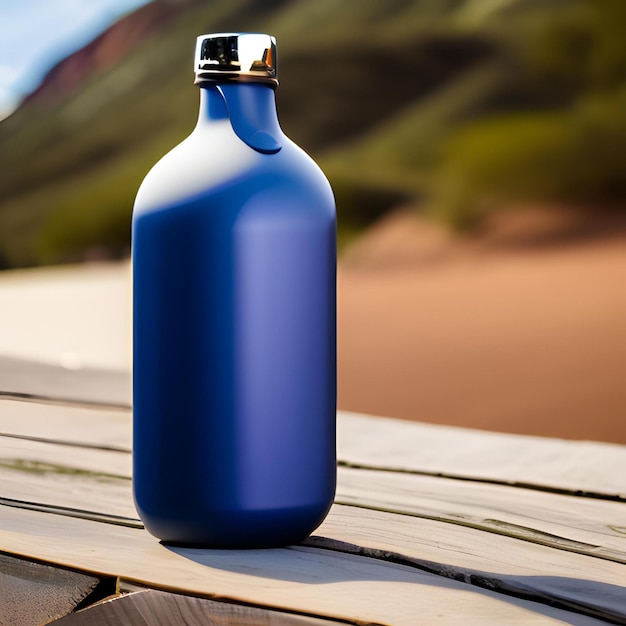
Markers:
<point>36,34</point>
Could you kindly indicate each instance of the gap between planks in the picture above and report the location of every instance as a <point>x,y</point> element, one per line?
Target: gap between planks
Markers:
<point>517,484</point>
<point>61,400</point>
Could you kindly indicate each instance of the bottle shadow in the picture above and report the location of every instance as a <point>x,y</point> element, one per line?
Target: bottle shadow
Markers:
<point>573,601</point>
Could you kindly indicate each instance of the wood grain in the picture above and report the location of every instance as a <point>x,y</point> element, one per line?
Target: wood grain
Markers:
<point>584,525</point>
<point>42,457</point>
<point>159,608</point>
<point>21,378</point>
<point>108,429</point>
<point>579,467</point>
<point>33,593</point>
<point>498,562</point>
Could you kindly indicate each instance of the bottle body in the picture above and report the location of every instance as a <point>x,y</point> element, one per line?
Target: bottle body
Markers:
<point>234,381</point>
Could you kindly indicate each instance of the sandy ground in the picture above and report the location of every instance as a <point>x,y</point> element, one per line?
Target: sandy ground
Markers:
<point>521,329</point>
<point>71,316</point>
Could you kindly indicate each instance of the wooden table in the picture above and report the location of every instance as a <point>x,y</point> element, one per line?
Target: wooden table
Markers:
<point>431,524</point>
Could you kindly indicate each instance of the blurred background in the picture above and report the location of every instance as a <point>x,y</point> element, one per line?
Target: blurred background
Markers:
<point>477,149</point>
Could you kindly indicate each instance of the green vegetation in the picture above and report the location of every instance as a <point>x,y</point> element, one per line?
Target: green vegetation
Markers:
<point>577,156</point>
<point>573,152</point>
<point>460,106</point>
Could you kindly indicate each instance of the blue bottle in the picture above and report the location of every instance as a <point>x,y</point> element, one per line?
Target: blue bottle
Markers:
<point>234,265</point>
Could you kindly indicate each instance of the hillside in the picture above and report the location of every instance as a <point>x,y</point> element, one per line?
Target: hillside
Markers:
<point>374,90</point>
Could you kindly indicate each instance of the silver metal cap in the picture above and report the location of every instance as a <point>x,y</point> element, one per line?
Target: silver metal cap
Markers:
<point>236,56</point>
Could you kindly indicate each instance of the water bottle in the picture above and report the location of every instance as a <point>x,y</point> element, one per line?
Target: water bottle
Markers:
<point>234,366</point>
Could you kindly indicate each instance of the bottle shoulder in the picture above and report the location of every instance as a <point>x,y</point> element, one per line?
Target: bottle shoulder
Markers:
<point>215,158</point>
<point>205,159</point>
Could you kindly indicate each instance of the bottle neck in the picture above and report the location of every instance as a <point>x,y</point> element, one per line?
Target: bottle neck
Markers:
<point>251,109</point>
<point>212,105</point>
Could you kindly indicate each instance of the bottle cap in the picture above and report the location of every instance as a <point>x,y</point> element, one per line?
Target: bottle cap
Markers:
<point>236,57</point>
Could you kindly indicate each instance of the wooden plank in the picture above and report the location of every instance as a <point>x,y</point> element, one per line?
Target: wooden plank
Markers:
<point>73,490</point>
<point>535,462</point>
<point>587,526</point>
<point>21,378</point>
<point>591,586</point>
<point>85,426</point>
<point>36,456</point>
<point>165,609</point>
<point>33,593</point>
<point>302,579</point>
